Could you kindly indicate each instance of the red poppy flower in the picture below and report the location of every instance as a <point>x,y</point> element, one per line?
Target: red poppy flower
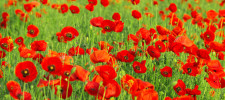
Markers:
<point>221,56</point>
<point>140,86</point>
<point>74,9</point>
<point>190,69</point>
<point>2,54</point>
<point>38,15</point>
<point>194,91</point>
<point>64,8</point>
<point>222,13</point>
<point>44,2</point>
<point>176,47</point>
<point>19,12</point>
<point>125,56</point>
<point>69,33</point>
<point>38,57</point>
<point>7,43</point>
<point>166,71</point>
<point>211,14</point>
<point>214,66</point>
<point>105,3</point>
<point>176,22</point>
<point>90,7</point>
<point>133,38</point>
<point>5,16</point>
<point>212,28</point>
<point>3,24</point>
<point>110,89</point>
<point>148,95</point>
<point>93,2</point>
<point>99,56</point>
<point>136,14</point>
<point>92,88</point>
<point>204,54</point>
<point>97,78</point>
<point>105,46</point>
<point>216,46</point>
<point>97,21</point>
<point>63,89</point>
<point>180,87</point>
<point>184,40</point>
<point>119,26</point>
<point>173,7</point>
<point>14,88</point>
<point>27,53</point>
<point>116,16</point>
<point>161,30</point>
<point>127,81</point>
<point>26,71</point>
<point>28,7</point>
<point>214,81</point>
<point>106,72</point>
<point>184,97</point>
<point>135,2</point>
<point>19,41</point>
<point>76,51</point>
<point>107,26</point>
<point>1,74</point>
<point>40,45</point>
<point>55,6</point>
<point>53,65</point>
<point>186,17</point>
<point>153,52</point>
<point>194,14</point>
<point>89,51</point>
<point>139,67</point>
<point>155,2</point>
<point>66,72</point>
<point>80,74</point>
<point>209,36</point>
<point>32,31</point>
<point>160,46</point>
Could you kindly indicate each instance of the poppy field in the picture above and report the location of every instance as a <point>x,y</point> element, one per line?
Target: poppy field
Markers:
<point>112,49</point>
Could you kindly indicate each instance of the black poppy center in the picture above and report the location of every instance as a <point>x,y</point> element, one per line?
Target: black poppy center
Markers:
<point>67,74</point>
<point>208,36</point>
<point>2,25</point>
<point>207,46</point>
<point>92,89</point>
<point>165,72</point>
<point>51,68</point>
<point>159,47</point>
<point>5,45</point>
<point>152,52</point>
<point>137,67</point>
<point>69,35</point>
<point>19,96</point>
<point>126,86</point>
<point>63,8</point>
<point>175,23</point>
<point>107,28</point>
<point>189,70</point>
<point>126,57</point>
<point>19,40</point>
<point>25,72</point>
<point>178,89</point>
<point>31,31</point>
<point>73,10</point>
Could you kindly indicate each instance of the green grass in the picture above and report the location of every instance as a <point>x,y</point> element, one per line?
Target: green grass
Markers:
<point>53,22</point>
